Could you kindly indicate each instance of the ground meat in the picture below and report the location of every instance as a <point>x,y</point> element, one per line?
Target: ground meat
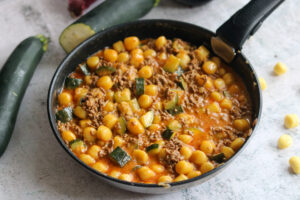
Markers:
<point>153,136</point>
<point>70,126</point>
<point>227,133</point>
<point>106,148</point>
<point>124,79</point>
<point>173,155</point>
<point>92,104</point>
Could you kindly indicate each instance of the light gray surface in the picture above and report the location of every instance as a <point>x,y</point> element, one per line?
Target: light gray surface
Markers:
<point>36,167</point>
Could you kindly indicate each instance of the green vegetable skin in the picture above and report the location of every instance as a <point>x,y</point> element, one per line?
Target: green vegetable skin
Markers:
<point>14,79</point>
<point>108,13</point>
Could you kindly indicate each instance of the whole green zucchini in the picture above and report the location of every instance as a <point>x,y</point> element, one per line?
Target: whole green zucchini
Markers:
<point>14,78</point>
<point>108,13</point>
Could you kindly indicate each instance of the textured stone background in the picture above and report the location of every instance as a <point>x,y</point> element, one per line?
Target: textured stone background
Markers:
<point>36,167</point>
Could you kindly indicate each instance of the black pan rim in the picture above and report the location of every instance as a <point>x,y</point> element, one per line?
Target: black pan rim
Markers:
<point>56,133</point>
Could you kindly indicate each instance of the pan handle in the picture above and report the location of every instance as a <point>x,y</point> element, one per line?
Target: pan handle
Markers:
<point>245,22</point>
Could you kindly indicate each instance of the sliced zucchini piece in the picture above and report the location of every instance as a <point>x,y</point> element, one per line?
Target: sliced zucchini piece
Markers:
<point>176,110</point>
<point>170,104</point>
<point>72,83</point>
<point>121,127</point>
<point>134,105</point>
<point>140,86</point>
<point>119,156</point>
<point>74,34</point>
<point>182,84</point>
<point>219,158</point>
<point>168,134</point>
<point>78,146</point>
<point>152,147</point>
<point>147,119</point>
<point>64,115</point>
<point>84,69</point>
<point>136,168</point>
<point>105,70</point>
<point>179,71</point>
<point>174,125</point>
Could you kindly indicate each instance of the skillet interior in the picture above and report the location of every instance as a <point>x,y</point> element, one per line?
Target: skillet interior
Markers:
<point>148,29</point>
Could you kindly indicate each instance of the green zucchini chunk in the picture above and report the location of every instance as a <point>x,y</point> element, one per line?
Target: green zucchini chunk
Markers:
<point>84,69</point>
<point>176,110</point>
<point>167,134</point>
<point>147,119</point>
<point>152,147</point>
<point>105,70</point>
<point>219,158</point>
<point>168,105</point>
<point>72,83</point>
<point>140,86</point>
<point>76,144</point>
<point>106,14</point>
<point>119,156</point>
<point>15,76</point>
<point>64,115</point>
<point>182,84</point>
<point>121,128</point>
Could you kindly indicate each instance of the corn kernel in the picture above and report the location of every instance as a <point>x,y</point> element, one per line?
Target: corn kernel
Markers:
<point>291,121</point>
<point>104,133</point>
<point>228,152</point>
<point>193,174</point>
<point>206,167</point>
<point>295,164</point>
<point>160,42</point>
<point>186,152</point>
<point>135,126</point>
<point>92,62</point>
<point>101,167</point>
<point>119,46</point>
<point>198,157</point>
<point>145,72</point>
<point>105,82</point>
<point>123,57</point>
<point>87,159</point>
<point>280,68</point>
<point>202,53</point>
<point>145,101</point>
<point>145,173</point>
<point>181,177</point>
<point>262,83</point>
<point>68,136</point>
<point>284,141</point>
<point>237,143</point>
<point>207,146</point>
<point>64,99</point>
<point>131,43</point>
<point>149,53</point>
<point>109,120</point>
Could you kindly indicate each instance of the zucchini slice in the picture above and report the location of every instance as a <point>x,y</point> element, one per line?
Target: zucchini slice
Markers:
<point>72,83</point>
<point>147,119</point>
<point>140,86</point>
<point>64,115</point>
<point>176,110</point>
<point>77,146</point>
<point>121,126</point>
<point>84,69</point>
<point>174,125</point>
<point>219,158</point>
<point>152,147</point>
<point>119,156</point>
<point>171,103</point>
<point>168,134</point>
<point>134,105</point>
<point>106,14</point>
<point>105,70</point>
<point>182,84</point>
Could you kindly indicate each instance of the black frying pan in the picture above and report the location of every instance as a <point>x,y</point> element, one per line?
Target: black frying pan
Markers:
<point>227,43</point>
